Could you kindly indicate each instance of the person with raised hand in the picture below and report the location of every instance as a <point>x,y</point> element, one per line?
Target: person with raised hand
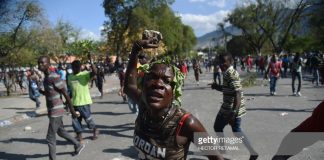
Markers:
<point>81,98</point>
<point>163,130</point>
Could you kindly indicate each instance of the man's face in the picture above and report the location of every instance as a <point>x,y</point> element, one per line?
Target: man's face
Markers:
<point>43,64</point>
<point>158,89</point>
<point>224,63</point>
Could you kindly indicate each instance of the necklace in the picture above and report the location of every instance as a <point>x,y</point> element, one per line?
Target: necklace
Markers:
<point>156,125</point>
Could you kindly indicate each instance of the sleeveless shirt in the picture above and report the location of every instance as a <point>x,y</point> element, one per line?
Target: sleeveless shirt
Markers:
<point>159,141</point>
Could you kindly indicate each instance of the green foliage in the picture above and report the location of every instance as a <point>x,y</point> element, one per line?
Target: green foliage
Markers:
<point>317,25</point>
<point>269,21</point>
<point>220,50</point>
<point>46,41</point>
<point>15,35</point>
<point>25,34</point>
<point>279,22</point>
<point>17,18</point>
<point>238,46</point>
<point>300,44</point>
<point>249,80</point>
<point>67,31</point>
<point>115,29</point>
<point>82,48</point>
<point>128,19</point>
<point>245,18</point>
<point>177,79</point>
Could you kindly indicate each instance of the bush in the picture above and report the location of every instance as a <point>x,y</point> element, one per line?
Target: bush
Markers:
<point>249,80</point>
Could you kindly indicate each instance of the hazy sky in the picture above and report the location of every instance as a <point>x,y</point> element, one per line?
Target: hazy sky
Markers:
<point>88,15</point>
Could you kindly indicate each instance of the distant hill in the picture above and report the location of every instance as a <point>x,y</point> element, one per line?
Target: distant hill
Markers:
<point>206,40</point>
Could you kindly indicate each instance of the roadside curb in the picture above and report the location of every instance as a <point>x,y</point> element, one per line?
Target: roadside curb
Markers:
<point>41,111</point>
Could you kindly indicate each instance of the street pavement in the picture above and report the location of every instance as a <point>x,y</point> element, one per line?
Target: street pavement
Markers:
<point>268,120</point>
<point>18,108</point>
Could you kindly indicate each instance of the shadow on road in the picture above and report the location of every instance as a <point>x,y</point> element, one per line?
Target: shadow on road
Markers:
<point>129,152</point>
<point>33,140</point>
<point>13,156</point>
<point>110,130</point>
<point>264,95</point>
<point>281,109</point>
<point>255,94</point>
<point>111,102</point>
<point>15,108</point>
<point>312,87</point>
<point>117,129</point>
<point>315,100</point>
<point>111,113</point>
<point>196,88</point>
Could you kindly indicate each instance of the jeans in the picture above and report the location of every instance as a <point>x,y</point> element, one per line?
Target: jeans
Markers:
<point>217,76</point>
<point>316,76</point>
<point>293,76</point>
<point>220,124</point>
<point>99,84</point>
<point>273,83</point>
<point>285,72</point>
<point>34,98</point>
<point>56,126</point>
<point>85,113</point>
<point>132,106</point>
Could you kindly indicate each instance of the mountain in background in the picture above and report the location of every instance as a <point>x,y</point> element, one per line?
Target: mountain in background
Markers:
<point>214,38</point>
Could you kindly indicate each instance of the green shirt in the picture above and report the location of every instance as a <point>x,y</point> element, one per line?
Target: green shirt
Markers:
<point>80,89</point>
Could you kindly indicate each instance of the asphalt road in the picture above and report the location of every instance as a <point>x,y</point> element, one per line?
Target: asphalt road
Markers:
<point>268,119</point>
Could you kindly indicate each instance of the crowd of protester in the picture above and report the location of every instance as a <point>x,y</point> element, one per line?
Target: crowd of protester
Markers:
<point>141,85</point>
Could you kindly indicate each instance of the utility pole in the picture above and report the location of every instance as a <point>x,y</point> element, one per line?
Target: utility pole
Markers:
<point>209,50</point>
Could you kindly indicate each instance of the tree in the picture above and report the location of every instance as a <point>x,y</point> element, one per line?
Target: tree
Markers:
<point>17,19</point>
<point>68,34</point>
<point>221,26</point>
<point>245,19</point>
<point>188,41</point>
<point>271,20</point>
<point>128,19</point>
<point>115,28</point>
<point>279,19</point>
<point>299,44</point>
<point>46,41</point>
<point>238,46</point>
<point>67,31</point>
<point>82,47</point>
<point>316,22</point>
